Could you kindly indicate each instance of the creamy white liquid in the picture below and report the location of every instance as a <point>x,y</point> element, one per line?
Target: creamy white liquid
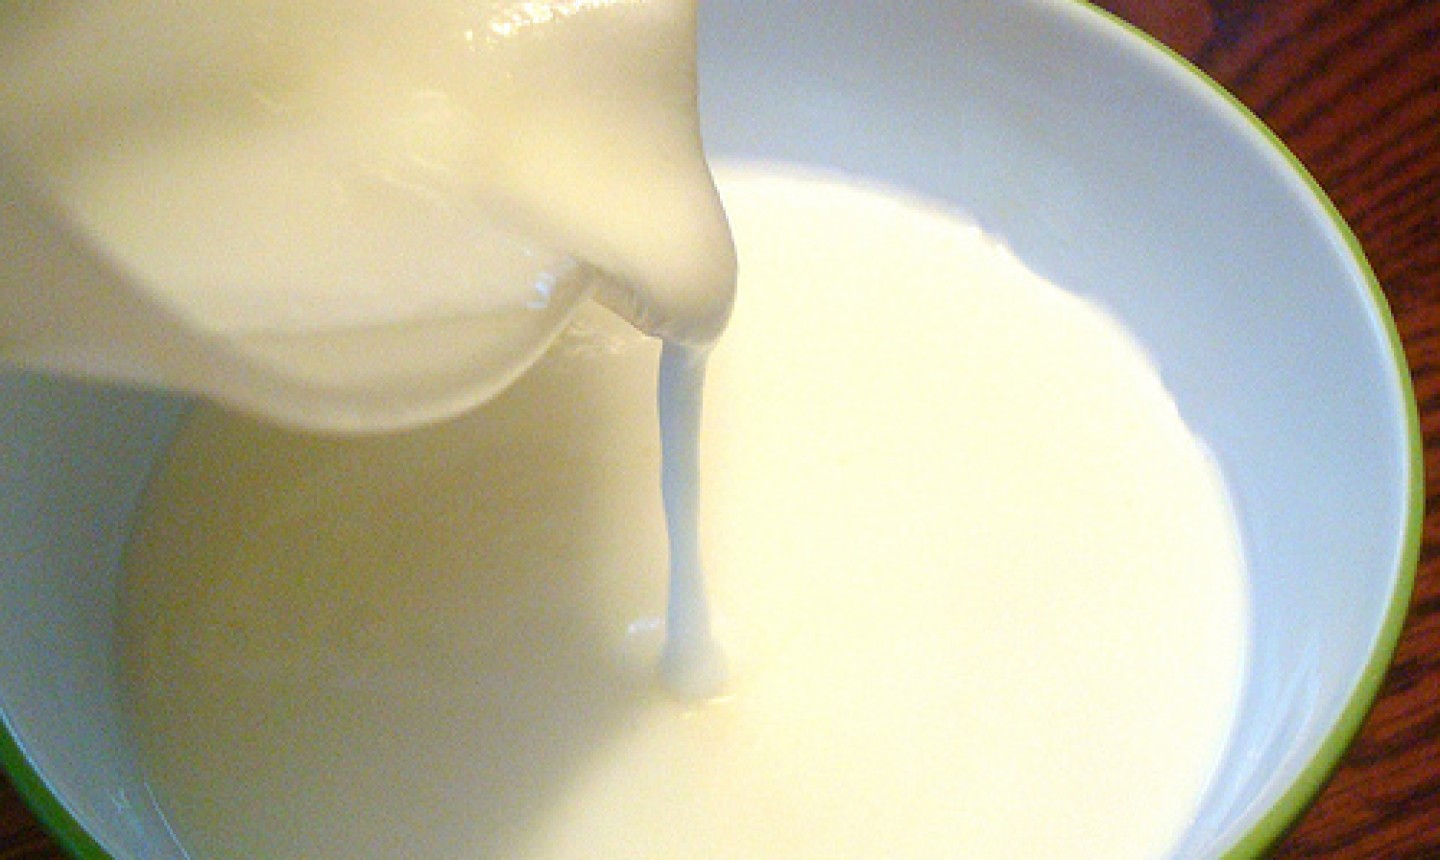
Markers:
<point>979,587</point>
<point>692,664</point>
<point>364,215</point>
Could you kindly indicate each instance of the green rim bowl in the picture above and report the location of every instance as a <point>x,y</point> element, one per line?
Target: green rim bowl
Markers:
<point>1111,166</point>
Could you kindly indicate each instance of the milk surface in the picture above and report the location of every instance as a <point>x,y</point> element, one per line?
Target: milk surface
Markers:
<point>979,587</point>
<point>365,214</point>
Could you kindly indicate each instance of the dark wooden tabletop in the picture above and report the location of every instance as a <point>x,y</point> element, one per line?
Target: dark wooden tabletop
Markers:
<point>1353,86</point>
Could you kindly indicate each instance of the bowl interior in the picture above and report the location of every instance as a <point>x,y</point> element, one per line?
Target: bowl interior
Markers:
<point>1113,168</point>
<point>75,460</point>
<point>1108,166</point>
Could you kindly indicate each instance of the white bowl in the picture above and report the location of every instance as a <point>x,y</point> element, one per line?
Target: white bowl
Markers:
<point>1111,167</point>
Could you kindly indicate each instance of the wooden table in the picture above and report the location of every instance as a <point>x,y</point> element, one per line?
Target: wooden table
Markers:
<point>1353,86</point>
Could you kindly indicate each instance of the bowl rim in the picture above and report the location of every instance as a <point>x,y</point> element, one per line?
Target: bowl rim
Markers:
<point>1305,788</point>
<point>43,802</point>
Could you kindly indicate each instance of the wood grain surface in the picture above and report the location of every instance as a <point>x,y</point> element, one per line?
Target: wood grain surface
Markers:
<point>1353,87</point>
